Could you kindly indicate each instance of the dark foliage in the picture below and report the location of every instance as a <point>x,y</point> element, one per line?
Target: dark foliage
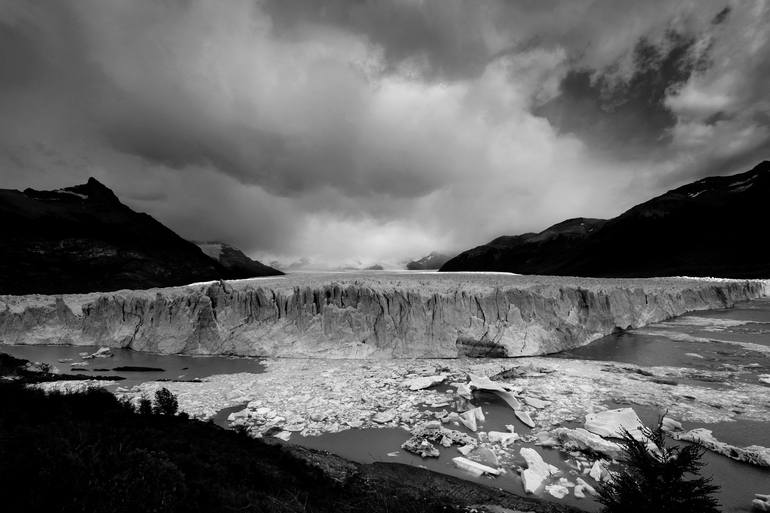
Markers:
<point>165,402</point>
<point>91,453</point>
<point>145,406</point>
<point>662,479</point>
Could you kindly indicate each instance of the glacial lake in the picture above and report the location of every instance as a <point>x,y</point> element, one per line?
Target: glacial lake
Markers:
<point>168,367</point>
<point>729,339</point>
<point>370,445</point>
<point>738,481</point>
<point>700,340</point>
<point>708,340</point>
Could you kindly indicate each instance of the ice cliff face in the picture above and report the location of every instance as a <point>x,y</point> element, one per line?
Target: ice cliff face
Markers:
<point>388,315</point>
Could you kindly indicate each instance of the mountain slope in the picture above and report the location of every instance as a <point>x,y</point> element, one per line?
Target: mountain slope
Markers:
<point>235,262</point>
<point>533,253</point>
<point>82,239</point>
<point>430,262</point>
<point>711,227</point>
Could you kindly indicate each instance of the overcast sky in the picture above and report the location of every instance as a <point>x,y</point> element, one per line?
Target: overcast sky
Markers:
<point>377,131</point>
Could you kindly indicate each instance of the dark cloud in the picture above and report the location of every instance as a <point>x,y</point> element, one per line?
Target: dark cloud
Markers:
<point>374,131</point>
<point>446,39</point>
<point>721,16</point>
<point>627,115</point>
<point>22,63</point>
<point>457,38</point>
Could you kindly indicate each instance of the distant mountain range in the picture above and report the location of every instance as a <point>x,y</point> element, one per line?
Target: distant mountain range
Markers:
<point>308,264</point>
<point>235,262</point>
<point>716,226</point>
<point>433,261</point>
<point>83,239</point>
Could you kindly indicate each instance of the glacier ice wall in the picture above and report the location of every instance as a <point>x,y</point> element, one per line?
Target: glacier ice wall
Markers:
<point>377,315</point>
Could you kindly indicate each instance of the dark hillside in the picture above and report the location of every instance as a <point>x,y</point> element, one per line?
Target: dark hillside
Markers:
<point>83,239</point>
<point>712,227</point>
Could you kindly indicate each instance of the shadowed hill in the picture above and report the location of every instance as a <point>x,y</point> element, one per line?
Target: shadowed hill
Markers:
<point>711,227</point>
<point>430,262</point>
<point>82,239</point>
<point>235,262</point>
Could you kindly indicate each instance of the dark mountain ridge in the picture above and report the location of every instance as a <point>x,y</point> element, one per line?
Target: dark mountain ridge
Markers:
<point>712,227</point>
<point>83,239</point>
<point>235,261</point>
<point>430,262</point>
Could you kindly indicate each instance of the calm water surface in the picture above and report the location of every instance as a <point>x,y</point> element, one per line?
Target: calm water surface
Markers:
<point>173,366</point>
<point>710,340</point>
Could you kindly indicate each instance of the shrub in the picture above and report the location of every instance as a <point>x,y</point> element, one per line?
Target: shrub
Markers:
<point>165,402</point>
<point>660,478</point>
<point>161,483</point>
<point>145,406</point>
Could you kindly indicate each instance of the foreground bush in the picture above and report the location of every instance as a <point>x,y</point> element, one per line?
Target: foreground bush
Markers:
<point>91,453</point>
<point>659,478</point>
<point>165,402</point>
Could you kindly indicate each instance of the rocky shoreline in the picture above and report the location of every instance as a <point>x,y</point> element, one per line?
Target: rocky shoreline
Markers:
<point>400,482</point>
<point>126,446</point>
<point>347,393</point>
<point>431,399</point>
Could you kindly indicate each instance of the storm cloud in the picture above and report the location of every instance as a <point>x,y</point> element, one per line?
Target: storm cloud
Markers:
<point>374,131</point>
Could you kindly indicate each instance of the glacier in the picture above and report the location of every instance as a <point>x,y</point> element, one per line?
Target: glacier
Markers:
<point>366,315</point>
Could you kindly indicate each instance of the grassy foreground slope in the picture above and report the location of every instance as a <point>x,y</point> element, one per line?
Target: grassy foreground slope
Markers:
<point>88,452</point>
